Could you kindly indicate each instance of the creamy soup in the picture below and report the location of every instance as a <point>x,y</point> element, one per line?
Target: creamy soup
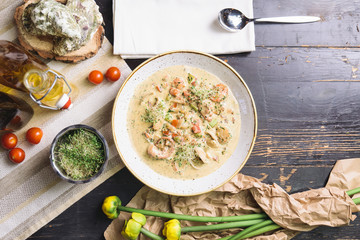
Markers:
<point>184,122</point>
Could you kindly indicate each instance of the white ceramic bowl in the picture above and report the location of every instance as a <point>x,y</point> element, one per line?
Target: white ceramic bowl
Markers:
<point>248,123</point>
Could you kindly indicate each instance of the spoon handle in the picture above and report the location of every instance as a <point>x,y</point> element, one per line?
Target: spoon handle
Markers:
<point>291,19</point>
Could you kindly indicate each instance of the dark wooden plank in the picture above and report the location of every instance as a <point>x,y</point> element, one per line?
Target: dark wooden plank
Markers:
<point>84,219</point>
<point>306,101</point>
<point>105,7</point>
<point>339,25</point>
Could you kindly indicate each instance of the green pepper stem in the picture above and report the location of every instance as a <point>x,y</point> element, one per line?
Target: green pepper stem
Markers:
<point>220,226</point>
<point>251,229</point>
<point>150,234</point>
<point>195,218</point>
<point>262,230</point>
<point>353,191</point>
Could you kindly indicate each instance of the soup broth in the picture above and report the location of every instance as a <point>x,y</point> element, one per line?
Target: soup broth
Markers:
<point>184,122</point>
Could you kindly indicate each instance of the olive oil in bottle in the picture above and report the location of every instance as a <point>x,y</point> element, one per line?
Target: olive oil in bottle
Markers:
<point>48,89</point>
<point>15,113</point>
<point>22,71</point>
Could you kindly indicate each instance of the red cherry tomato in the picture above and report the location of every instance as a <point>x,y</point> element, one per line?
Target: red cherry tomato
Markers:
<point>17,155</point>
<point>96,77</point>
<point>9,140</point>
<point>113,74</point>
<point>34,135</point>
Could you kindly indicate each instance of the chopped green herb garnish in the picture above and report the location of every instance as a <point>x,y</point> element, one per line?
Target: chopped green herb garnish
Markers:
<point>213,123</point>
<point>168,117</point>
<point>193,106</point>
<point>198,135</point>
<point>148,116</point>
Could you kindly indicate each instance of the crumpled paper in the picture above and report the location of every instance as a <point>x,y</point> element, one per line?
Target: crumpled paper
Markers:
<point>304,211</point>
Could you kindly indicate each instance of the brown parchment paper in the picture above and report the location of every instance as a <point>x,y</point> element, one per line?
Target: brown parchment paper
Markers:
<point>304,211</point>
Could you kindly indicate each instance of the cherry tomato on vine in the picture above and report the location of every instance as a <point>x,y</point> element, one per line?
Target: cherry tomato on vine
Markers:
<point>9,140</point>
<point>17,155</point>
<point>113,74</point>
<point>34,135</point>
<point>96,77</point>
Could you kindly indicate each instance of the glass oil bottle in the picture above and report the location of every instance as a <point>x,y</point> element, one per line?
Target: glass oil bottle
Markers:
<point>22,71</point>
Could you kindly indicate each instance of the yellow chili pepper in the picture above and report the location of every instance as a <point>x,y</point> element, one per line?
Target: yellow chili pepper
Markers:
<point>172,229</point>
<point>110,206</point>
<point>132,227</point>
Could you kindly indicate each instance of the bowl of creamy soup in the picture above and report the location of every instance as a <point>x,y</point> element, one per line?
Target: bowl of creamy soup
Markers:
<point>184,122</point>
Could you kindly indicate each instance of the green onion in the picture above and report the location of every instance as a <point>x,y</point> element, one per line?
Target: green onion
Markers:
<point>221,226</point>
<point>353,191</point>
<point>150,235</point>
<point>251,229</point>
<point>213,123</point>
<point>195,218</point>
<point>262,230</point>
<point>257,223</point>
<point>266,226</point>
<point>198,135</point>
<point>168,117</point>
<point>193,106</point>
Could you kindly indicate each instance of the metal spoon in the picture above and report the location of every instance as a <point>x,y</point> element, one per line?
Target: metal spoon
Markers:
<point>233,20</point>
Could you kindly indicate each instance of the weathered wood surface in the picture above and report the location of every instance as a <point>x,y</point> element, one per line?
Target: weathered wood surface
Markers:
<point>305,80</point>
<point>339,24</point>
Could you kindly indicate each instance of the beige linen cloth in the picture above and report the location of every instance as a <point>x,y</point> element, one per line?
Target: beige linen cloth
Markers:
<point>146,28</point>
<point>304,211</point>
<point>31,193</point>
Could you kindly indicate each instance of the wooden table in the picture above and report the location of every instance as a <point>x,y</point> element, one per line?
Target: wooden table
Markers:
<point>304,79</point>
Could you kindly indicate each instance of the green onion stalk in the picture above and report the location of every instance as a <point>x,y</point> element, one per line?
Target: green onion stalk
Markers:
<point>150,235</point>
<point>255,224</point>
<point>246,217</point>
<point>175,229</point>
<point>269,225</point>
<point>115,211</point>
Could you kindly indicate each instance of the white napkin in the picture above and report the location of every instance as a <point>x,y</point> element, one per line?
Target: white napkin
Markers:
<point>143,28</point>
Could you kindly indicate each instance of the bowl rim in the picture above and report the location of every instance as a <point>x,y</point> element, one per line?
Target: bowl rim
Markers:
<point>63,132</point>
<point>217,60</point>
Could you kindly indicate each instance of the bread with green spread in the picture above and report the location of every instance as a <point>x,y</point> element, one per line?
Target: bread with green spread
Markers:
<point>64,30</point>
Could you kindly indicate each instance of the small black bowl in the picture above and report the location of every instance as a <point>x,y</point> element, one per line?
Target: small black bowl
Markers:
<point>58,168</point>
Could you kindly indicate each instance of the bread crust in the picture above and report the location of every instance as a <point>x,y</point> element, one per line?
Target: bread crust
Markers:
<point>43,46</point>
